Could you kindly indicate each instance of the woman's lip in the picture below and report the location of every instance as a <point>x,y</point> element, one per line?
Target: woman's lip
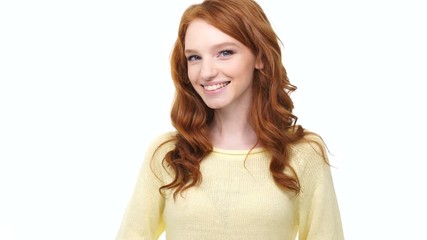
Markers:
<point>214,83</point>
<point>214,87</point>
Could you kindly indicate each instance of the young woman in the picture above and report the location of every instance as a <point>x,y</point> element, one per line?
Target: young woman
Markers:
<point>238,166</point>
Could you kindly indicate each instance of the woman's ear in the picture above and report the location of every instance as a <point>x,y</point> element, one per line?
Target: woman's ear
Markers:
<point>259,63</point>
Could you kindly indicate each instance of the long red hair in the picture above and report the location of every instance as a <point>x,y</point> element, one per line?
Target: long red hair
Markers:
<point>271,114</point>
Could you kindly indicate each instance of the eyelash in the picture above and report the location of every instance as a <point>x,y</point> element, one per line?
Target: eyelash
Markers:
<point>193,58</point>
<point>223,53</point>
<point>229,53</point>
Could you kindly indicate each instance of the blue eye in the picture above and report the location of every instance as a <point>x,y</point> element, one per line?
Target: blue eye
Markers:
<point>226,53</point>
<point>193,58</point>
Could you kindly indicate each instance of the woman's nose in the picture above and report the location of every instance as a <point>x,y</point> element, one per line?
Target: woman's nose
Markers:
<point>208,70</point>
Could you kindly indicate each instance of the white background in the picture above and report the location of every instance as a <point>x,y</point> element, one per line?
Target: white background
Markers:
<point>85,85</point>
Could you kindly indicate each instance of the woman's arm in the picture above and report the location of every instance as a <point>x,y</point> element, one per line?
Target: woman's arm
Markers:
<point>319,215</point>
<point>143,217</point>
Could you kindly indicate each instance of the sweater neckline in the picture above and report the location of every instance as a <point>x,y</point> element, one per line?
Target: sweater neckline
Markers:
<point>238,152</point>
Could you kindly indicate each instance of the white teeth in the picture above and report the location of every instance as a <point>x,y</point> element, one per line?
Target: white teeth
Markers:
<point>216,86</point>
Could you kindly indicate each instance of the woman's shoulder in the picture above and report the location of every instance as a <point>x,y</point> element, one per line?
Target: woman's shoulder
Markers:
<point>163,136</point>
<point>157,149</point>
<point>164,141</point>
<point>311,148</point>
<point>308,139</point>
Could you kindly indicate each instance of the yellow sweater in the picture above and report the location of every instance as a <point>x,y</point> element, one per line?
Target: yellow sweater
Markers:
<point>236,199</point>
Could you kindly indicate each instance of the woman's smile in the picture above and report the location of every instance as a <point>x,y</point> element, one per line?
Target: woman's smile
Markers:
<point>212,87</point>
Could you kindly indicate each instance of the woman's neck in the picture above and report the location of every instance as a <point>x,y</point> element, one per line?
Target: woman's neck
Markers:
<point>232,130</point>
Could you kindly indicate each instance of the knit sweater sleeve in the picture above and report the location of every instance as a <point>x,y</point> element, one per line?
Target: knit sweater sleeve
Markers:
<point>318,211</point>
<point>143,216</point>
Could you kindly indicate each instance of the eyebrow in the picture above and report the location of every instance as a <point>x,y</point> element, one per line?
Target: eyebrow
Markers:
<point>216,46</point>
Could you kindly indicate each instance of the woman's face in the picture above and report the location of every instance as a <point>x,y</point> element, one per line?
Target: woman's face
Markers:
<point>220,68</point>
